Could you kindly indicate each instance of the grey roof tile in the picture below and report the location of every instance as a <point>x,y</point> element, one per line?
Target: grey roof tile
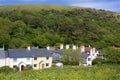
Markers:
<point>22,53</point>
<point>2,53</point>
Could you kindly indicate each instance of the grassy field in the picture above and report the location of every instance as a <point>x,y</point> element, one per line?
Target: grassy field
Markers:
<point>106,72</point>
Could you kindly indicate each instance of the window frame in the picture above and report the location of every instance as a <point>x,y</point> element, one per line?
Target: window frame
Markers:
<point>35,65</point>
<point>47,64</point>
<point>35,58</point>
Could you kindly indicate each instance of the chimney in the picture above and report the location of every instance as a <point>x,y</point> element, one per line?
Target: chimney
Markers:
<point>74,47</point>
<point>82,48</point>
<point>93,50</point>
<point>3,47</point>
<point>48,47</point>
<point>89,46</point>
<point>67,46</point>
<point>61,46</point>
<point>28,48</point>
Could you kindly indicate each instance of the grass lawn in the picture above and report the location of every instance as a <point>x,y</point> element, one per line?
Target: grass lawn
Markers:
<point>104,72</point>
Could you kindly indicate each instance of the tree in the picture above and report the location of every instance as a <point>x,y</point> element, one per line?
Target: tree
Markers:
<point>71,57</point>
<point>16,43</point>
<point>4,40</point>
<point>112,55</point>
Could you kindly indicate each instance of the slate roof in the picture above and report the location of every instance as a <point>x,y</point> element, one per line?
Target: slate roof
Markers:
<point>2,53</point>
<point>84,54</point>
<point>23,53</point>
<point>58,52</point>
<point>6,54</point>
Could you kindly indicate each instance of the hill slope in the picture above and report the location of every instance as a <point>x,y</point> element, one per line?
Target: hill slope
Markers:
<point>41,25</point>
<point>37,7</point>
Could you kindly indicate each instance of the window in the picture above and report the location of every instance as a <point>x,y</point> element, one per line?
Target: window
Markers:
<point>28,65</point>
<point>35,58</point>
<point>35,65</point>
<point>14,59</point>
<point>47,64</point>
<point>27,59</point>
<point>89,59</point>
<point>47,57</point>
<point>14,66</point>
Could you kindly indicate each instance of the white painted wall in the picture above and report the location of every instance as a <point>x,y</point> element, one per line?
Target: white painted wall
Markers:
<point>2,62</point>
<point>7,61</point>
<point>44,61</point>
<point>92,56</point>
<point>24,60</point>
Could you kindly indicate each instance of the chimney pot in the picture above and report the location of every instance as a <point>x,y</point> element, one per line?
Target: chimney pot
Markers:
<point>48,47</point>
<point>67,46</point>
<point>61,46</point>
<point>74,47</point>
<point>28,47</point>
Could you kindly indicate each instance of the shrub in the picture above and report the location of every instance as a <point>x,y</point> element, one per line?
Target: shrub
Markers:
<point>98,61</point>
<point>27,68</point>
<point>16,68</point>
<point>6,70</point>
<point>71,57</point>
<point>112,55</point>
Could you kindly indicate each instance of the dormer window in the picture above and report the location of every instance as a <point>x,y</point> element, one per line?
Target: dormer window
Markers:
<point>35,58</point>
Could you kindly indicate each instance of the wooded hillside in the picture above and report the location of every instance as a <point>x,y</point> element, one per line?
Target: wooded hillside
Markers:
<point>42,25</point>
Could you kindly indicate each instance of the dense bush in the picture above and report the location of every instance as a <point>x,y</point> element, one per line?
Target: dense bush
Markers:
<point>71,57</point>
<point>6,70</point>
<point>27,68</point>
<point>98,61</point>
<point>16,68</point>
<point>20,27</point>
<point>112,55</point>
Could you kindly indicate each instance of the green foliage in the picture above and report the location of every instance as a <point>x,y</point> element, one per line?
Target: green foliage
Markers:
<point>104,72</point>
<point>112,55</point>
<point>98,61</point>
<point>6,70</point>
<point>71,57</point>
<point>42,25</point>
<point>2,76</point>
<point>27,68</point>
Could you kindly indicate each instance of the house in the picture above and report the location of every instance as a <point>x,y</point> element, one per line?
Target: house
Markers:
<point>36,58</point>
<point>2,57</point>
<point>57,55</point>
<point>89,54</point>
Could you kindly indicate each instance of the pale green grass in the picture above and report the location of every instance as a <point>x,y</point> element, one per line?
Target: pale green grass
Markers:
<point>105,72</point>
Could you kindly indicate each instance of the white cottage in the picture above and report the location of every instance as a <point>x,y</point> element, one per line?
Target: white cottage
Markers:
<point>36,58</point>
<point>89,54</point>
<point>2,57</point>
